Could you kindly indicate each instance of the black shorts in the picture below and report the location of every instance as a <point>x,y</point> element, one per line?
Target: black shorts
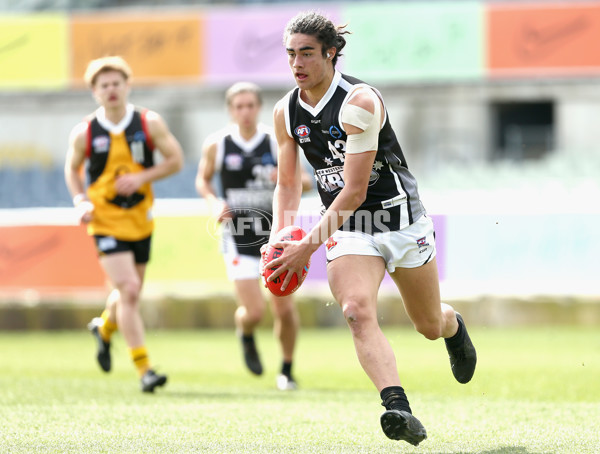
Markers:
<point>109,245</point>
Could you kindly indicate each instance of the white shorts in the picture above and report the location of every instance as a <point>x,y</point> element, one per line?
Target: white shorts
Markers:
<point>239,266</point>
<point>410,247</point>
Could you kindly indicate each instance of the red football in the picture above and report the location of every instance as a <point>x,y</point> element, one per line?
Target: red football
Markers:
<point>289,233</point>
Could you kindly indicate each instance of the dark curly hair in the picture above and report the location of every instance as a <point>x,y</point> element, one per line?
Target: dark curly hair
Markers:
<point>315,24</point>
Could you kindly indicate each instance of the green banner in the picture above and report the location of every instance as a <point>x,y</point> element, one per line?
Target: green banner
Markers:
<point>413,41</point>
<point>34,51</point>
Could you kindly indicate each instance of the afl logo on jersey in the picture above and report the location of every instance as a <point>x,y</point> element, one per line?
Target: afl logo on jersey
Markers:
<point>101,144</point>
<point>302,132</point>
<point>234,162</point>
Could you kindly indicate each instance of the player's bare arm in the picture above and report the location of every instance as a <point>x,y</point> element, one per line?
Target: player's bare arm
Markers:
<point>204,176</point>
<point>286,198</point>
<point>73,162</point>
<point>168,147</point>
<point>289,174</point>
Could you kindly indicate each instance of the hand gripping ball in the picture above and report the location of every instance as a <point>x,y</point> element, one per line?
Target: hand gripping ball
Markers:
<point>289,233</point>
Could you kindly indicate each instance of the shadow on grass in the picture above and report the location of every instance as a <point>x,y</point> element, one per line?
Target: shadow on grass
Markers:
<point>234,395</point>
<point>505,450</point>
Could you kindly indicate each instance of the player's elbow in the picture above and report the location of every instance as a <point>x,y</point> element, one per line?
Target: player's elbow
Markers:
<point>288,186</point>
<point>177,162</point>
<point>355,197</point>
<point>201,186</point>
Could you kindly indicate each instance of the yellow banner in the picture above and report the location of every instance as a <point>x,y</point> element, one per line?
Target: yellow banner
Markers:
<point>34,51</point>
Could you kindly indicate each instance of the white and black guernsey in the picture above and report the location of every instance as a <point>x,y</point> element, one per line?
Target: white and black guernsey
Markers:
<point>392,201</point>
<point>247,171</point>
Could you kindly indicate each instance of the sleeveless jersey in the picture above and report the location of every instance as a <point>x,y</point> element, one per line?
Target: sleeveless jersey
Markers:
<point>392,201</point>
<point>115,150</point>
<point>247,170</point>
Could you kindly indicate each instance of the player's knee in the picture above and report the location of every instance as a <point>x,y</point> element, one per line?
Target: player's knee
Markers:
<point>285,311</point>
<point>130,291</point>
<point>432,329</point>
<point>254,315</point>
<point>355,312</point>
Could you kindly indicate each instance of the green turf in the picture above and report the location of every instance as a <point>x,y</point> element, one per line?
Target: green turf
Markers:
<point>186,248</point>
<point>536,390</point>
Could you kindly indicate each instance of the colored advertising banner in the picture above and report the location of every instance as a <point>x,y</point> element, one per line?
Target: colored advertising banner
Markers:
<point>543,39</point>
<point>47,257</point>
<point>415,42</point>
<point>249,46</point>
<point>34,52</point>
<point>157,47</point>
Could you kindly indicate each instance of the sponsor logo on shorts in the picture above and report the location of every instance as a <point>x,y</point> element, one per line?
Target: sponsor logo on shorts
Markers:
<point>107,243</point>
<point>422,244</point>
<point>331,243</point>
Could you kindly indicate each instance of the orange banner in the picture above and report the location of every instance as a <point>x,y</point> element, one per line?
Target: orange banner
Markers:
<point>48,257</point>
<point>155,46</point>
<point>543,39</point>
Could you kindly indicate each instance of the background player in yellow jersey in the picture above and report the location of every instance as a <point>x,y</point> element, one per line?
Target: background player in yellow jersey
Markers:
<point>117,144</point>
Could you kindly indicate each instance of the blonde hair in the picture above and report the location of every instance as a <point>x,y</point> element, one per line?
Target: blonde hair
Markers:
<point>243,87</point>
<point>104,64</point>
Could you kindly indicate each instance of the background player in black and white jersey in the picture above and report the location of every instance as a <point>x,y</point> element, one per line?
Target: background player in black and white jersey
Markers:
<point>244,155</point>
<point>374,221</point>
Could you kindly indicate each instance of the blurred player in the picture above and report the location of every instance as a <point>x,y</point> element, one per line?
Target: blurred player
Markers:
<point>117,144</point>
<point>374,220</point>
<point>244,155</point>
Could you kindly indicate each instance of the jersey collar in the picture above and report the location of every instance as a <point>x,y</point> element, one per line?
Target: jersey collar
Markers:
<point>109,125</point>
<point>314,111</point>
<point>247,145</point>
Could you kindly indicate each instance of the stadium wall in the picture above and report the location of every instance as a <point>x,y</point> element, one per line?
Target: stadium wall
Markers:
<point>501,267</point>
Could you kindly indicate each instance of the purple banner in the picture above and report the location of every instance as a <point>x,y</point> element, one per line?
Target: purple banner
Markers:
<point>248,44</point>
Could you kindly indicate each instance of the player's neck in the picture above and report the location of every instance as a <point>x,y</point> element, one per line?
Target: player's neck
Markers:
<point>115,114</point>
<point>247,132</point>
<point>313,95</point>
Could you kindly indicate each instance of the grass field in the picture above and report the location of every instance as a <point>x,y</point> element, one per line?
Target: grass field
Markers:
<point>183,250</point>
<point>536,390</point>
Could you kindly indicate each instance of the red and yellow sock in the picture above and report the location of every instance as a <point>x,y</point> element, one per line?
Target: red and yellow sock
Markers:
<point>139,356</point>
<point>107,328</point>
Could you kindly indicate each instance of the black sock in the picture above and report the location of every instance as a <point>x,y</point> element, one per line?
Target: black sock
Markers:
<point>394,398</point>
<point>248,338</point>
<point>458,339</point>
<point>286,369</point>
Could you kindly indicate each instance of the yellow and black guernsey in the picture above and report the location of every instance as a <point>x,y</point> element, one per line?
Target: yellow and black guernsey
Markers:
<point>114,150</point>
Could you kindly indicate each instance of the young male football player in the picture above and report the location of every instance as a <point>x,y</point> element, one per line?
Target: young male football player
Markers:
<point>117,143</point>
